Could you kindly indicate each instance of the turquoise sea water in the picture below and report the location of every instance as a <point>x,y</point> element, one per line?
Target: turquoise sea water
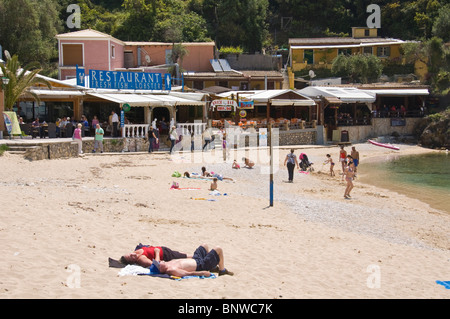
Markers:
<point>425,177</point>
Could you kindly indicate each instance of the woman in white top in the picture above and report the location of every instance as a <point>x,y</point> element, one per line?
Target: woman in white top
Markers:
<point>173,135</point>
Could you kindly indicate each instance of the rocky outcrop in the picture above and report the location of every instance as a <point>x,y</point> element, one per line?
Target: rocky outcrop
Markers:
<point>436,134</point>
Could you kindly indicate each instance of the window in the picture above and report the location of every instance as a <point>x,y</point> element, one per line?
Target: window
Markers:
<point>383,51</point>
<point>367,50</point>
<point>113,51</point>
<point>366,32</point>
<point>72,54</point>
<point>223,84</point>
<point>198,85</point>
<point>345,51</point>
<point>244,86</point>
<point>308,56</point>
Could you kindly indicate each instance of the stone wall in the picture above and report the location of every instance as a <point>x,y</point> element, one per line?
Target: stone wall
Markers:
<point>379,127</point>
<point>67,149</point>
<point>298,137</point>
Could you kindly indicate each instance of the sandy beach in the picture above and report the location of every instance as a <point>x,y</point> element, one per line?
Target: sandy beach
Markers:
<point>62,219</point>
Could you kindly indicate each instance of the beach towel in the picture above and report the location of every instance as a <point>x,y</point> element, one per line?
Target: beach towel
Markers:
<point>136,270</point>
<point>217,193</point>
<point>446,284</point>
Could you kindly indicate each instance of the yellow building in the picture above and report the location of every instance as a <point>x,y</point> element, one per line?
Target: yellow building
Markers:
<point>319,52</point>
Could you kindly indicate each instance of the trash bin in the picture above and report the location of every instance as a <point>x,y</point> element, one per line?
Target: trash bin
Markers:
<point>344,136</point>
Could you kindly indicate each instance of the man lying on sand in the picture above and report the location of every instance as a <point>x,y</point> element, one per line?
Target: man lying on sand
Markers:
<point>201,264</point>
<point>146,254</point>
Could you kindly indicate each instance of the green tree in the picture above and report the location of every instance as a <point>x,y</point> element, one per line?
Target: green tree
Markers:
<point>441,26</point>
<point>28,29</point>
<point>358,67</point>
<point>435,55</point>
<point>20,80</point>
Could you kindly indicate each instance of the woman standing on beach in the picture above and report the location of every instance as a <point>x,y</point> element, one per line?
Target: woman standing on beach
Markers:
<point>173,135</point>
<point>349,174</point>
<point>342,156</point>
<point>291,162</point>
<point>77,138</point>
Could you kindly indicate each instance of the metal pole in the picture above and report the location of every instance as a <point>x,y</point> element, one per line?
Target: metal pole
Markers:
<point>269,129</point>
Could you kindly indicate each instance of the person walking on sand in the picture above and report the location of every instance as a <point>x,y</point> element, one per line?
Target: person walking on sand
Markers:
<point>291,161</point>
<point>330,160</point>
<point>98,142</point>
<point>173,135</point>
<point>355,156</point>
<point>151,139</point>
<point>77,138</point>
<point>207,138</point>
<point>201,264</point>
<point>349,175</point>
<point>342,157</point>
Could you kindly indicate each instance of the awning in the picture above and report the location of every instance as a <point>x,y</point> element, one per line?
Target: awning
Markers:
<point>146,99</point>
<point>275,96</point>
<point>344,94</point>
<point>401,92</point>
<point>333,100</point>
<point>54,94</point>
<point>283,102</point>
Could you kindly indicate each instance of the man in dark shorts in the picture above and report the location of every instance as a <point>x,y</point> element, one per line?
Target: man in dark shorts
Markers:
<point>201,264</point>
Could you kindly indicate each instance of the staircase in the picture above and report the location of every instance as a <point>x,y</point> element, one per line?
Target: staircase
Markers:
<point>20,149</point>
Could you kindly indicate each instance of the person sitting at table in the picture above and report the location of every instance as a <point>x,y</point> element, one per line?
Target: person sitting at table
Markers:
<point>94,122</point>
<point>37,128</point>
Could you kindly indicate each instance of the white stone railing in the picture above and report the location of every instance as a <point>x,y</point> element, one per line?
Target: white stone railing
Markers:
<point>135,130</point>
<point>197,128</point>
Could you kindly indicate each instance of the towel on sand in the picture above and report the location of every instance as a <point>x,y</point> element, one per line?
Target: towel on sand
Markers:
<point>446,284</point>
<point>135,270</point>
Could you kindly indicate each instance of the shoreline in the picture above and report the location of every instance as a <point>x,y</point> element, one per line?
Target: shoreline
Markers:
<point>75,213</point>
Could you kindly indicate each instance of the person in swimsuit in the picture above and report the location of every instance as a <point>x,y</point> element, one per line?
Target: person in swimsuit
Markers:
<point>342,156</point>
<point>145,255</point>
<point>201,264</point>
<point>355,156</point>
<point>330,160</point>
<point>349,173</point>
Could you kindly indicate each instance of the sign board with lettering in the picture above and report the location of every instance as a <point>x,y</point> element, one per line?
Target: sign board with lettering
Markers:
<point>119,80</point>
<point>224,105</point>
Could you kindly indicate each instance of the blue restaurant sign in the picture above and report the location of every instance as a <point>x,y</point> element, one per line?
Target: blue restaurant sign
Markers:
<point>118,80</point>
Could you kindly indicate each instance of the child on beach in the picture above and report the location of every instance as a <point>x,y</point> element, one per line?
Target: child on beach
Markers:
<point>213,186</point>
<point>235,165</point>
<point>330,160</point>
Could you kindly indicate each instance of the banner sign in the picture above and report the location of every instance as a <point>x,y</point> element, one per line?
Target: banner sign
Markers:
<point>262,136</point>
<point>224,105</point>
<point>11,123</point>
<point>80,76</point>
<point>246,105</point>
<point>119,80</point>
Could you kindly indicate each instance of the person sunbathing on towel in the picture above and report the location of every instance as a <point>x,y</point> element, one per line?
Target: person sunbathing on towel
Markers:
<point>201,264</point>
<point>145,255</point>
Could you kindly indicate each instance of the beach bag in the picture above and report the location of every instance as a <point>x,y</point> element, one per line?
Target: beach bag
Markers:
<point>176,174</point>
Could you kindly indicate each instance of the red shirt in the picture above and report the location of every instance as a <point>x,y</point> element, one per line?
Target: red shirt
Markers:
<point>149,252</point>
